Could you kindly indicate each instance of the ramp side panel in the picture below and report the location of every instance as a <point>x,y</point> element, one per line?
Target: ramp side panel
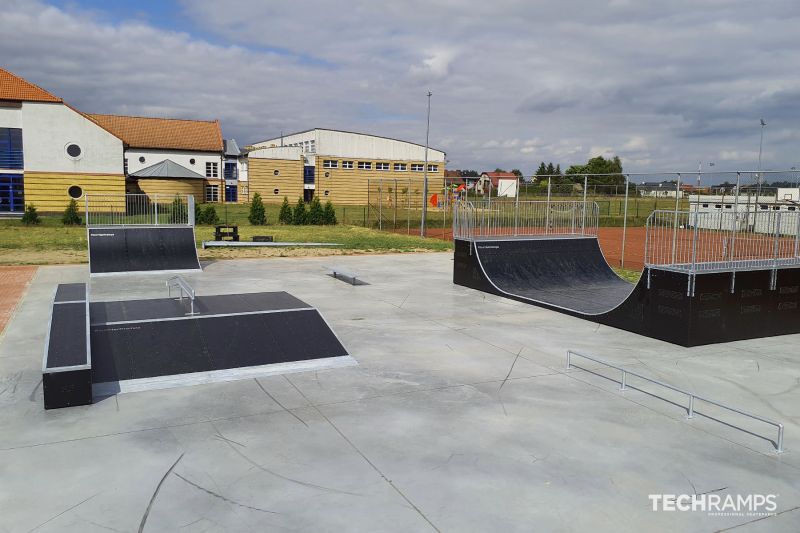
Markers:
<point>141,249</point>
<point>163,348</point>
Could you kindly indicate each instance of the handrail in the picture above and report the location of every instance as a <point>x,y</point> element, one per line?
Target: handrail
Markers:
<point>692,396</point>
<point>177,281</point>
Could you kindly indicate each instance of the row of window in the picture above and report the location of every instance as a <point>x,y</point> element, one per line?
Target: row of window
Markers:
<point>762,207</point>
<point>307,146</point>
<point>367,165</point>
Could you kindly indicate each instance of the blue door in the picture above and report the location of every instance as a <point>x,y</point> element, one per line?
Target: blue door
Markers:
<point>12,196</point>
<point>231,193</point>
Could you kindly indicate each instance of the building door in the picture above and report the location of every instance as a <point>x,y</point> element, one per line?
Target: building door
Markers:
<point>308,195</point>
<point>12,195</point>
<point>231,193</point>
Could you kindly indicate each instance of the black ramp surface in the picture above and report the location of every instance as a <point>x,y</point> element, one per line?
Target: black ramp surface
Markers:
<point>67,346</point>
<point>164,348</point>
<point>569,273</point>
<point>70,292</point>
<point>141,249</point>
<point>121,311</point>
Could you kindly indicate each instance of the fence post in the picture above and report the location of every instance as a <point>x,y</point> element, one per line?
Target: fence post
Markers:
<point>547,212</point>
<point>380,204</point>
<point>516,210</point>
<point>675,221</point>
<point>696,233</point>
<point>155,209</point>
<point>691,406</point>
<point>624,223</point>
<point>369,187</point>
<point>583,220</point>
<point>190,207</point>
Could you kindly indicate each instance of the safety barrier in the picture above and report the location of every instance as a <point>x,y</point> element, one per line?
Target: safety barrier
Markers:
<point>503,218</point>
<point>139,210</point>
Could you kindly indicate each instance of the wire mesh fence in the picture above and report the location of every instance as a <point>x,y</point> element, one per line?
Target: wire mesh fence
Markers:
<point>697,241</point>
<point>504,218</point>
<point>139,210</point>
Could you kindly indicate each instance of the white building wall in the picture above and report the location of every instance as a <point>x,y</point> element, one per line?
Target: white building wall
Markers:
<point>47,129</point>
<point>181,157</point>
<point>10,117</point>
<point>285,152</point>
<point>358,145</point>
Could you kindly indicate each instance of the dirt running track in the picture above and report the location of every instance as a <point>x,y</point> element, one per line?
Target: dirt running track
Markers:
<point>610,242</point>
<point>13,282</point>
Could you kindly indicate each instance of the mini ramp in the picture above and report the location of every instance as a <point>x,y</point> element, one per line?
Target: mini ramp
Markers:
<point>684,302</point>
<point>139,233</point>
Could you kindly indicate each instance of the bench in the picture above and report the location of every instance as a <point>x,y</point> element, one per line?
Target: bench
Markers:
<point>226,232</point>
<point>67,362</point>
<point>344,274</point>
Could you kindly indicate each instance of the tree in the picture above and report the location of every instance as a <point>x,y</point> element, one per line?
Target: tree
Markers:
<point>542,170</point>
<point>499,170</point>
<point>517,172</point>
<point>551,170</point>
<point>315,212</point>
<point>285,215</point>
<point>30,216</point>
<point>599,165</point>
<point>71,217</point>
<point>558,169</point>
<point>207,215</point>
<point>258,215</point>
<point>329,214</point>
<point>299,216</point>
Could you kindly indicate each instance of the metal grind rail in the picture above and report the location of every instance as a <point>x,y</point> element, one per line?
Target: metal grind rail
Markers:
<point>692,396</point>
<point>185,289</point>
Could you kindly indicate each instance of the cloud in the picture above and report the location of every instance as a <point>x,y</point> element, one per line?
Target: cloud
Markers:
<point>664,84</point>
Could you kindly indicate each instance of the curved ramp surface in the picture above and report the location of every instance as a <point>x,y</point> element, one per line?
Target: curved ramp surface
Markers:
<point>570,275</point>
<point>114,249</point>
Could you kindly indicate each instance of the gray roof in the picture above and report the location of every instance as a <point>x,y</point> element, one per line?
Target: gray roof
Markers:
<point>167,169</point>
<point>230,148</point>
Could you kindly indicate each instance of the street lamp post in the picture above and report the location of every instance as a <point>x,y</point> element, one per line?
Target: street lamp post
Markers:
<point>425,176</point>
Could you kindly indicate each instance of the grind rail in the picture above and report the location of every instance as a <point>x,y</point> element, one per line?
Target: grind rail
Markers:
<point>692,396</point>
<point>185,289</point>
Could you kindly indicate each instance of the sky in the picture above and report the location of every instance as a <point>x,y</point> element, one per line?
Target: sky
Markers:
<point>663,85</point>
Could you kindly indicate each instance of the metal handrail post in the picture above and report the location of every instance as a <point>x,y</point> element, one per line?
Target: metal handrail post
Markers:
<point>516,210</point>
<point>585,187</point>
<point>696,235</point>
<point>547,208</point>
<point>675,222</point>
<point>691,407</point>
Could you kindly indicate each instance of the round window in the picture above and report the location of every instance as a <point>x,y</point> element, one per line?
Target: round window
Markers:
<point>276,172</point>
<point>191,161</point>
<point>327,174</point>
<point>276,191</point>
<point>75,192</point>
<point>73,150</point>
<point>141,159</point>
<point>327,193</point>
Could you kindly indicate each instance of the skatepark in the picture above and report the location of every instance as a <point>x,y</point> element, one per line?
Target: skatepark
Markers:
<point>459,412</point>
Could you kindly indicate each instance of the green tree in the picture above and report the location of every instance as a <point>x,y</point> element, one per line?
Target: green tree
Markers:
<point>30,216</point>
<point>315,212</point>
<point>258,215</point>
<point>285,214</point>
<point>558,169</point>
<point>207,215</point>
<point>612,168</point>
<point>329,214</point>
<point>178,211</point>
<point>542,170</point>
<point>517,172</point>
<point>551,170</point>
<point>300,215</point>
<point>71,216</point>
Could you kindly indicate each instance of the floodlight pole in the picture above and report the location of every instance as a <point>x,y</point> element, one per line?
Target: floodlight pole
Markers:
<point>425,176</point>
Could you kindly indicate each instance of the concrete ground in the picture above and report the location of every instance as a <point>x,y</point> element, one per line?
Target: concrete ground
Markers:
<point>459,417</point>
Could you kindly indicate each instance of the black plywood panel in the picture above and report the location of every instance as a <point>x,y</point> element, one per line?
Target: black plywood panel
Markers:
<point>135,249</point>
<point>67,345</point>
<point>71,292</point>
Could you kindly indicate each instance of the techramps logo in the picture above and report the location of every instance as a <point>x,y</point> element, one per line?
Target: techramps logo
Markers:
<point>750,505</point>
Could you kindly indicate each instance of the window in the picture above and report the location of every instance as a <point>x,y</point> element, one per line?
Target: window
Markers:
<point>230,171</point>
<point>364,165</point>
<point>141,159</point>
<point>381,166</point>
<point>400,167</point>
<point>718,206</point>
<point>433,168</point>
<point>347,164</point>
<point>191,161</point>
<point>417,167</point>
<point>73,150</point>
<point>212,193</point>
<point>11,148</point>
<point>125,165</point>
<point>212,170</point>
<point>75,192</point>
<point>706,205</point>
<point>12,193</point>
<point>275,191</point>
<point>312,147</point>
<point>330,163</point>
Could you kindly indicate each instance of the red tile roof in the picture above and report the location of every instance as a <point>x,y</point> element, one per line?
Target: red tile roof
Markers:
<point>12,87</point>
<point>163,133</point>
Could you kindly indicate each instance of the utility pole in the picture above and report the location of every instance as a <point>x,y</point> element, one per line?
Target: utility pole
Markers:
<point>425,177</point>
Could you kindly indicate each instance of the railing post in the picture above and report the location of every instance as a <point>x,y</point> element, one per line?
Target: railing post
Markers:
<point>623,385</point>
<point>624,222</point>
<point>547,208</point>
<point>779,448</point>
<point>516,211</point>
<point>696,235</point>
<point>691,406</point>
<point>675,222</point>
<point>583,220</point>
<point>155,210</point>
<point>190,214</point>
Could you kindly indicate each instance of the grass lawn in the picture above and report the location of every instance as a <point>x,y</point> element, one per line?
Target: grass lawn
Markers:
<point>52,243</point>
<point>628,275</point>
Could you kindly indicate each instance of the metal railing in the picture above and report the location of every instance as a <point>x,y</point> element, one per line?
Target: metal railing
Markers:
<point>139,210</point>
<point>725,240</point>
<point>691,396</point>
<point>512,218</point>
<point>185,289</point>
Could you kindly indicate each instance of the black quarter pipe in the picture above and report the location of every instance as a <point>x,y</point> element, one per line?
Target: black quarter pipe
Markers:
<point>116,249</point>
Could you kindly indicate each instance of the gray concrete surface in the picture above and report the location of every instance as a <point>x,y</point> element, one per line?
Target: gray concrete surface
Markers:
<point>459,417</point>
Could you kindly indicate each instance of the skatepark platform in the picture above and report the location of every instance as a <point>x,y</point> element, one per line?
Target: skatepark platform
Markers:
<point>160,343</point>
<point>571,276</point>
<point>153,249</point>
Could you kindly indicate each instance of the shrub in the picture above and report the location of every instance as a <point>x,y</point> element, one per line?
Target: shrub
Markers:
<point>208,215</point>
<point>285,215</point>
<point>315,213</point>
<point>30,216</point>
<point>71,216</point>
<point>178,211</point>
<point>329,214</point>
<point>299,216</point>
<point>257,216</point>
